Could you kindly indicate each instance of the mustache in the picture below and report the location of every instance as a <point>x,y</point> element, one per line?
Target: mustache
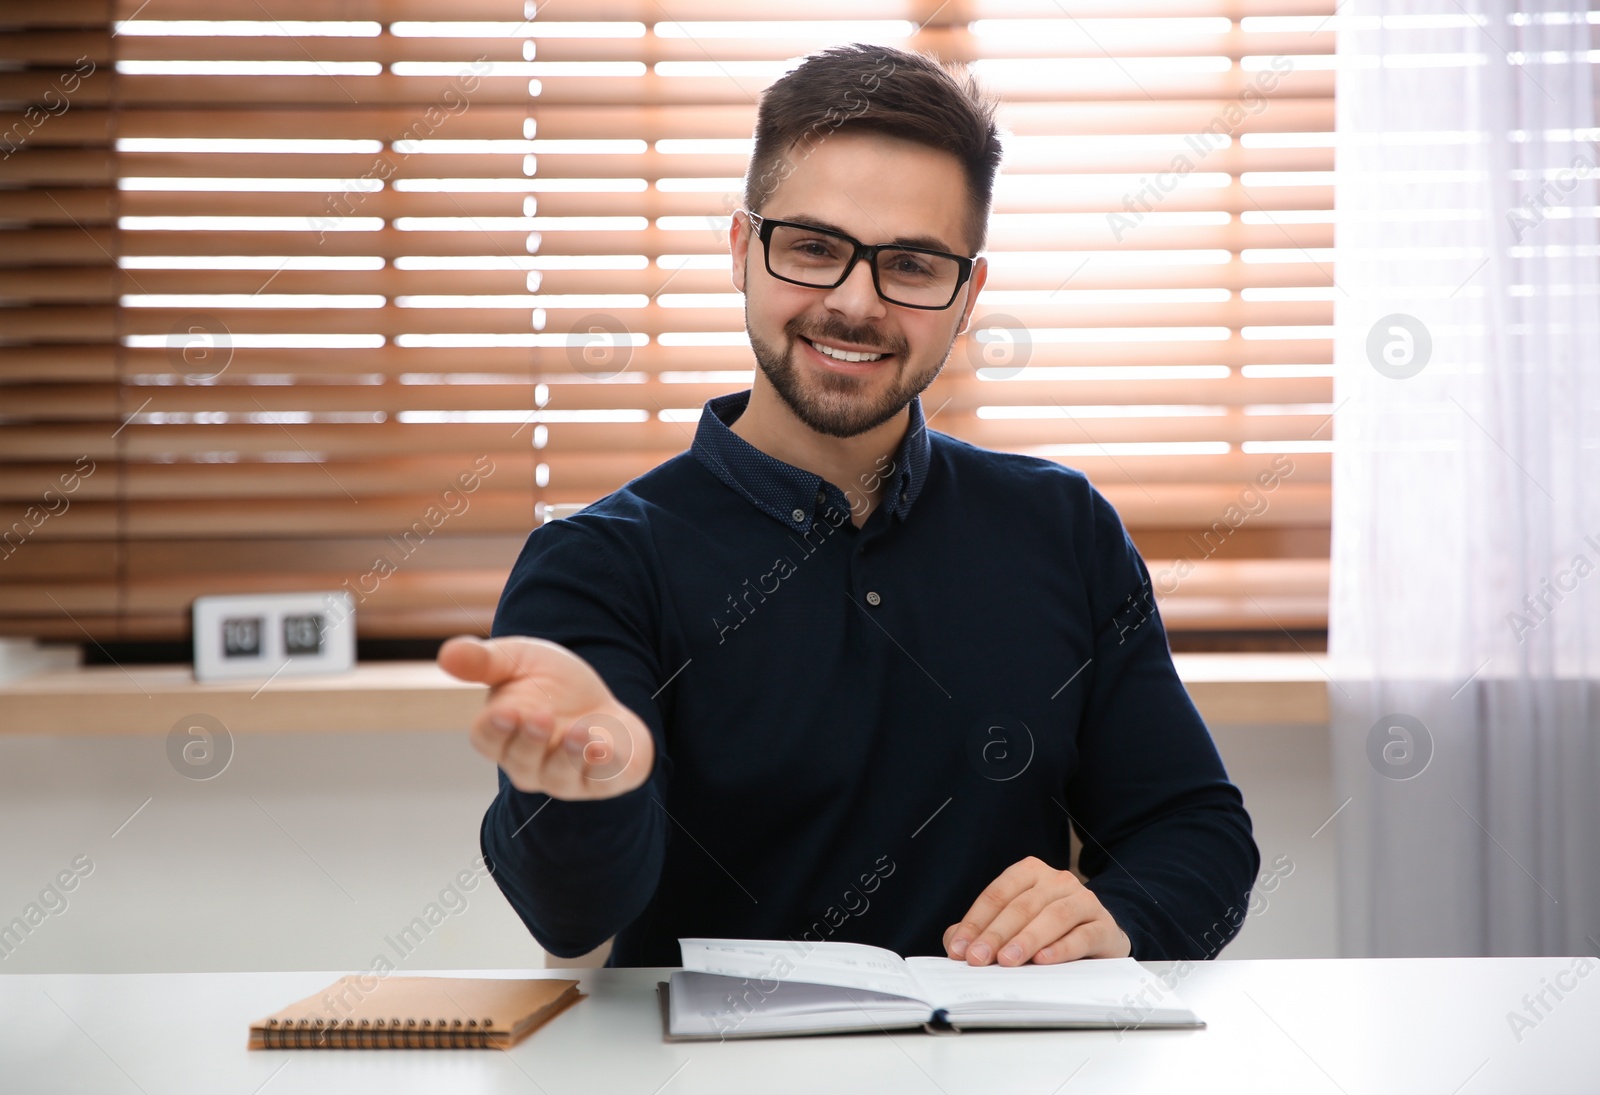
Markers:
<point>836,330</point>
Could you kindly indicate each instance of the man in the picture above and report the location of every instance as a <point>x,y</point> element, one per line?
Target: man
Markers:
<point>833,675</point>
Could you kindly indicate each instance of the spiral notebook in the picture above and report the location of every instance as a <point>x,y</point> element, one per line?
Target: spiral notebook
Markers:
<point>370,1012</point>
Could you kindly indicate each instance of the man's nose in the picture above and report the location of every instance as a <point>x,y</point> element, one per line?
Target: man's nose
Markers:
<point>856,297</point>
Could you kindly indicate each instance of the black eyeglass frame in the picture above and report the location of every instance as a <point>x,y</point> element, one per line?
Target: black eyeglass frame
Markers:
<point>764,227</point>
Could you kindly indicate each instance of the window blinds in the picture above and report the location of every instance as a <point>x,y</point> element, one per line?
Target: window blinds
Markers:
<point>348,298</point>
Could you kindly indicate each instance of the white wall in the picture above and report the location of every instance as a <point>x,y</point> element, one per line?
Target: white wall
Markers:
<point>1286,776</point>
<point>314,850</point>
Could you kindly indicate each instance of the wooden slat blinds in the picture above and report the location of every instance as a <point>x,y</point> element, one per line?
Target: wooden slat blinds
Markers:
<point>275,291</point>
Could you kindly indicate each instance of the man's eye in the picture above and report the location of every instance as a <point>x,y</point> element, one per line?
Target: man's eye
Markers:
<point>907,266</point>
<point>813,248</point>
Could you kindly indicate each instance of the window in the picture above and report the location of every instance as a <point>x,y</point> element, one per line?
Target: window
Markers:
<point>315,303</point>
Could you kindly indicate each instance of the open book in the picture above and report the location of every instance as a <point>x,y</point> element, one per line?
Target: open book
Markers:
<point>752,988</point>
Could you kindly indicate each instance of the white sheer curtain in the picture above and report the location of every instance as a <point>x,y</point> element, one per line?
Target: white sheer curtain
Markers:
<point>1464,627</point>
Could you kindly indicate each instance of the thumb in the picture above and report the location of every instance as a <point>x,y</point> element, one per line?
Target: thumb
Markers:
<point>488,661</point>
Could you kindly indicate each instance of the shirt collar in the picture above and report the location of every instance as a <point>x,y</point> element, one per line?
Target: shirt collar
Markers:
<point>785,492</point>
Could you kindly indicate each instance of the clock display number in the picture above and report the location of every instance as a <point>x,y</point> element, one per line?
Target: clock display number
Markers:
<point>302,634</point>
<point>241,637</point>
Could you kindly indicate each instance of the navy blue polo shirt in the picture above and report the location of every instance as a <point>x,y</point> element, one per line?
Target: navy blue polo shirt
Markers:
<point>858,729</point>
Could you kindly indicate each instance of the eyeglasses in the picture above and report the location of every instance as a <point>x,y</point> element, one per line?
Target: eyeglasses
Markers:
<point>912,277</point>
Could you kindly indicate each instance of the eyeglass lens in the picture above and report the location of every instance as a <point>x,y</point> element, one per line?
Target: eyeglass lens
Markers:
<point>819,258</point>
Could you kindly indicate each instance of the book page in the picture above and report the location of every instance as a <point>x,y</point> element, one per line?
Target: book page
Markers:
<point>845,965</point>
<point>1088,990</point>
<point>708,1005</point>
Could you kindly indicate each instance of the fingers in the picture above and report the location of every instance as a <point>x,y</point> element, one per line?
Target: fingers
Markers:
<point>537,755</point>
<point>500,661</point>
<point>1067,929</point>
<point>516,741</point>
<point>550,723</point>
<point>974,937</point>
<point>1035,913</point>
<point>597,755</point>
<point>1098,938</point>
<point>517,727</point>
<point>600,748</point>
<point>479,660</point>
<point>1031,921</point>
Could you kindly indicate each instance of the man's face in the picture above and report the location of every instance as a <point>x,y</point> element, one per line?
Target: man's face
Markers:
<point>877,189</point>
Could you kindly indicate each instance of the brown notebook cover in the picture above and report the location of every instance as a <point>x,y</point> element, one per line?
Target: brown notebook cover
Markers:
<point>415,1013</point>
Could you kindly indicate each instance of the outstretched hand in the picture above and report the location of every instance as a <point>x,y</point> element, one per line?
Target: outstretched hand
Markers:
<point>550,721</point>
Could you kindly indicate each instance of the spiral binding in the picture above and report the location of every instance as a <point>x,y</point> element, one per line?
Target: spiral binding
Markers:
<point>396,1034</point>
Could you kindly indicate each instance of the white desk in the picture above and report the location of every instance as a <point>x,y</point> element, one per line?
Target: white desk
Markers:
<point>1352,1026</point>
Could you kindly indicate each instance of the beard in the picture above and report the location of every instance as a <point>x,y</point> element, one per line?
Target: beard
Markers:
<point>837,404</point>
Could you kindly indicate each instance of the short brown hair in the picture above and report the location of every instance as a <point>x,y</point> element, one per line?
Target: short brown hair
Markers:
<point>907,95</point>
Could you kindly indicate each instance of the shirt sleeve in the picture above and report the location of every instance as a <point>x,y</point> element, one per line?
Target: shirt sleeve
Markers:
<point>1167,844</point>
<point>577,872</point>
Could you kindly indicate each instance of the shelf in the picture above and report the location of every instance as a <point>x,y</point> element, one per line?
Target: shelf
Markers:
<point>1287,689</point>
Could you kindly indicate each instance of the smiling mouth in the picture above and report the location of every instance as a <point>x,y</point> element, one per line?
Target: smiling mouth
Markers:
<point>852,356</point>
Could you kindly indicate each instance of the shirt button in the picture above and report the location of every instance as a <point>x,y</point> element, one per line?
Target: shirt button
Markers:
<point>822,496</point>
<point>873,599</point>
<point>799,515</point>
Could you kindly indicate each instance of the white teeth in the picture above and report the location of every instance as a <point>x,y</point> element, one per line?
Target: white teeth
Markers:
<point>843,355</point>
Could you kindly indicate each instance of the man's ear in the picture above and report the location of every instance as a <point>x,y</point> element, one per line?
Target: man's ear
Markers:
<point>739,246</point>
<point>980,274</point>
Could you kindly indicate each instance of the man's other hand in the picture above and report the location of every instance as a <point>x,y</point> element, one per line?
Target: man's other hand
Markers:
<point>1034,912</point>
<point>550,721</point>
